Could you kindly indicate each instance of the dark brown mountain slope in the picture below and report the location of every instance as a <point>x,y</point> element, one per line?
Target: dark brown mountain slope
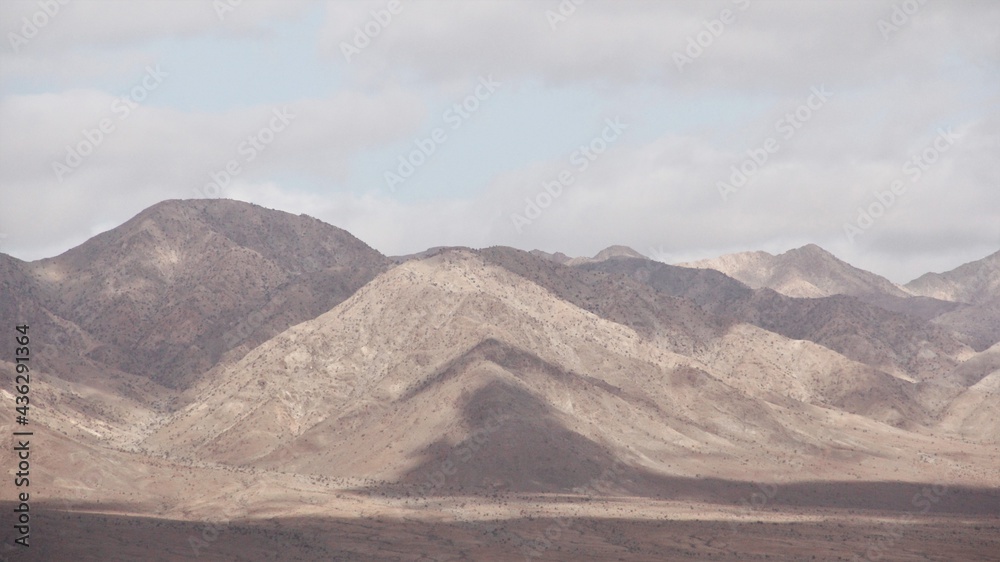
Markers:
<point>893,342</point>
<point>402,374</point>
<point>975,289</point>
<point>170,291</point>
<point>682,326</point>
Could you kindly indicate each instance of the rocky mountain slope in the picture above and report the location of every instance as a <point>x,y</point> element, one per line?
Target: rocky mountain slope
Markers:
<point>893,342</point>
<point>169,292</point>
<point>974,288</point>
<point>809,271</point>
<point>437,353</point>
<point>965,301</point>
<point>215,357</point>
<point>974,282</point>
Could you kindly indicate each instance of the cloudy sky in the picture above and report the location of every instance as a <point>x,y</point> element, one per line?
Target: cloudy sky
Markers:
<point>683,129</point>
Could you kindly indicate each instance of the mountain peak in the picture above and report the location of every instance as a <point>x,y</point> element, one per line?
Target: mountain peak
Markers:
<point>974,282</point>
<point>809,250</point>
<point>606,254</point>
<point>557,257</point>
<point>809,271</point>
<point>183,267</point>
<point>617,251</point>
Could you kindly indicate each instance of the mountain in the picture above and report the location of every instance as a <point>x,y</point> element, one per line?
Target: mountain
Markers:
<point>975,282</point>
<point>606,253</point>
<point>689,311</point>
<point>809,271</point>
<point>422,359</point>
<point>974,412</point>
<point>166,294</point>
<point>216,361</point>
<point>557,257</point>
<point>892,342</point>
<point>973,290</point>
<point>676,324</point>
<point>423,254</point>
<point>22,301</point>
<point>420,355</point>
<point>978,325</point>
<point>963,301</point>
<point>75,385</point>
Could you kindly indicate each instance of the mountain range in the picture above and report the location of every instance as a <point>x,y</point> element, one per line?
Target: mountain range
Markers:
<point>214,356</point>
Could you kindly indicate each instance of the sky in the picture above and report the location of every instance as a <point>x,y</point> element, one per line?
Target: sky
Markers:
<point>685,130</point>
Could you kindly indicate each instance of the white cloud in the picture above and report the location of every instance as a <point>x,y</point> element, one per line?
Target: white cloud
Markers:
<point>940,68</point>
<point>122,23</point>
<point>769,45</point>
<point>158,153</point>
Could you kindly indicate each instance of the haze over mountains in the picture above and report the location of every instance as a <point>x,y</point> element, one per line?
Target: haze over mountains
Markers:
<point>965,300</point>
<point>213,355</point>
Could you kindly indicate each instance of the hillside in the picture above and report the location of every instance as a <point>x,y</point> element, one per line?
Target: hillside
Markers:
<point>809,271</point>
<point>214,357</point>
<point>436,352</point>
<point>893,342</point>
<point>169,292</point>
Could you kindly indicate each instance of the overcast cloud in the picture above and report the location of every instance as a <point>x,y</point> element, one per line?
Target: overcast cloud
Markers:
<point>890,107</point>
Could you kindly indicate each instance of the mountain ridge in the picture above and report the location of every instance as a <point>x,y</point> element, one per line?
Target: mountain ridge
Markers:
<point>807,271</point>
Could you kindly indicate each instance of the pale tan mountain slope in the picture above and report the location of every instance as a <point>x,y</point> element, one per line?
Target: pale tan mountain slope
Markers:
<point>396,332</point>
<point>606,253</point>
<point>809,271</point>
<point>812,272</point>
<point>974,282</point>
<point>975,413</point>
<point>99,407</point>
<point>975,289</point>
<point>440,354</point>
<point>628,297</point>
<point>768,365</point>
<point>976,368</point>
<point>898,344</point>
<point>966,401</point>
<point>170,291</point>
